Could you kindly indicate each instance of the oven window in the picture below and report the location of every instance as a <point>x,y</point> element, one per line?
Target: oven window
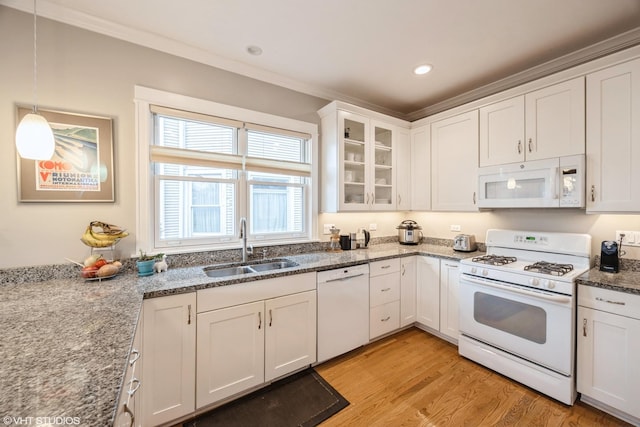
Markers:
<point>523,320</point>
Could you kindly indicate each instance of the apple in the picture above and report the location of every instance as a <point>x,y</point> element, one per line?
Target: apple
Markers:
<point>89,272</point>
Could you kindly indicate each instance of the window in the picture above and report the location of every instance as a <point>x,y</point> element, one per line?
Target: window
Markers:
<point>207,171</point>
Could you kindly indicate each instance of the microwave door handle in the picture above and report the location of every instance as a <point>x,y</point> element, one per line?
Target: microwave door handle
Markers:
<point>543,296</point>
<point>555,183</point>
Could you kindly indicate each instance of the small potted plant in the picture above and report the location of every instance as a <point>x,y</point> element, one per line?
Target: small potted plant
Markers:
<point>145,263</point>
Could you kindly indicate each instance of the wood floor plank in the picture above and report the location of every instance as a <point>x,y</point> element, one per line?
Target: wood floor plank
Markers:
<point>416,379</point>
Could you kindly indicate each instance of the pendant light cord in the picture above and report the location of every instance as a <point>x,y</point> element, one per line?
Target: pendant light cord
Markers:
<point>35,59</point>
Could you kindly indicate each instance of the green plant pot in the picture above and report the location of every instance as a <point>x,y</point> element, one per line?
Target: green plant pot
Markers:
<point>145,268</point>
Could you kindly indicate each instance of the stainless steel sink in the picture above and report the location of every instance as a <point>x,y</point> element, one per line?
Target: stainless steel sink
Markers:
<point>226,270</point>
<point>274,265</point>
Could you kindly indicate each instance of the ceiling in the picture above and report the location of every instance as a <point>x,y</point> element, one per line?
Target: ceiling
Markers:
<point>362,51</point>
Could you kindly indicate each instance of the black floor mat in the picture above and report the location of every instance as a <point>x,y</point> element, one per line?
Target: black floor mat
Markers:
<point>303,399</point>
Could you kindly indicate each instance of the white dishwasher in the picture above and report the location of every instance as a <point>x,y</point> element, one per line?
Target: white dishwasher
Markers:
<point>343,310</point>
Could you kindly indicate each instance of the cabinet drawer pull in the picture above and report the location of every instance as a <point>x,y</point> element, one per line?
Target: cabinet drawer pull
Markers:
<point>259,320</point>
<point>611,302</point>
<point>136,355</point>
<point>386,319</point>
<point>385,289</point>
<point>128,411</point>
<point>133,390</point>
<point>384,267</point>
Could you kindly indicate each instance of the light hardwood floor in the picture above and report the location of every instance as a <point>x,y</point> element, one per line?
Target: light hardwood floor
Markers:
<point>416,379</point>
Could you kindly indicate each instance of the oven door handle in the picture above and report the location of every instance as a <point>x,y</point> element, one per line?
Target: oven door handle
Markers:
<point>543,296</point>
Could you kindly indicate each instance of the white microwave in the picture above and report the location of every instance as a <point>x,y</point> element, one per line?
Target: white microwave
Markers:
<point>549,183</point>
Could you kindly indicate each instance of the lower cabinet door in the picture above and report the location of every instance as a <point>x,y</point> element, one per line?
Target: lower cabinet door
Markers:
<point>230,355</point>
<point>449,278</point>
<point>168,368</point>
<point>290,342</point>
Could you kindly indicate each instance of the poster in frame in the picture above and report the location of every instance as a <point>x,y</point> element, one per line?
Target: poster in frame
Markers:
<point>81,169</point>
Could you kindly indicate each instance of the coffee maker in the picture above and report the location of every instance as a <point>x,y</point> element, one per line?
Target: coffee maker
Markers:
<point>609,257</point>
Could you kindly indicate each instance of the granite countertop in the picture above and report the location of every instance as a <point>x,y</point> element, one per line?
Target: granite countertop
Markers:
<point>65,342</point>
<point>627,281</point>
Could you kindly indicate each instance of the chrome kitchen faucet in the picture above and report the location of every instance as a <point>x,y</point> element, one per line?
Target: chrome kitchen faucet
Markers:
<point>243,235</point>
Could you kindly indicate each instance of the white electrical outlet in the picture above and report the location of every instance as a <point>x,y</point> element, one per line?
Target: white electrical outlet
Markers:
<point>455,228</point>
<point>327,228</point>
<point>373,227</point>
<point>630,238</point>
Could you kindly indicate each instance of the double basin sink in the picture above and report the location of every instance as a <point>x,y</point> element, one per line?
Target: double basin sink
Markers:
<point>226,270</point>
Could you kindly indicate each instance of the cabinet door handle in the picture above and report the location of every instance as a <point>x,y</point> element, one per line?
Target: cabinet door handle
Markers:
<point>530,146</point>
<point>259,320</point>
<point>136,355</point>
<point>189,317</point>
<point>128,411</point>
<point>611,302</point>
<point>367,198</point>
<point>399,199</point>
<point>386,319</point>
<point>584,327</point>
<point>519,147</point>
<point>474,197</point>
<point>402,269</point>
<point>270,317</point>
<point>133,390</point>
<point>593,193</point>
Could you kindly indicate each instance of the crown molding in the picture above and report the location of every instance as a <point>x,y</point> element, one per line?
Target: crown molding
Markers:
<point>598,50</point>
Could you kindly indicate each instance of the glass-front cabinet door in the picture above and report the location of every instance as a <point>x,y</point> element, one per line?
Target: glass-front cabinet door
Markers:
<point>383,194</point>
<point>354,133</point>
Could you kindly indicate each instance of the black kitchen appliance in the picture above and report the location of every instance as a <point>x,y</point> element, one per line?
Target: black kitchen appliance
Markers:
<point>609,256</point>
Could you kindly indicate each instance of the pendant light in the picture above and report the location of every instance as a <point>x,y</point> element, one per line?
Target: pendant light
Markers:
<point>34,137</point>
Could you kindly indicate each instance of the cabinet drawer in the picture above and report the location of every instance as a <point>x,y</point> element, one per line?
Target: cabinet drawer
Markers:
<point>621,303</point>
<point>384,319</point>
<point>377,268</point>
<point>384,289</point>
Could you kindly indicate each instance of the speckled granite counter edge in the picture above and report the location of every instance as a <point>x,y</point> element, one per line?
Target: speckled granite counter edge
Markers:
<point>627,280</point>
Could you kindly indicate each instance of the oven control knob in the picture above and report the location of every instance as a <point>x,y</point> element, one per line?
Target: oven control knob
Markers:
<point>485,272</point>
<point>534,282</point>
<point>474,270</point>
<point>551,284</point>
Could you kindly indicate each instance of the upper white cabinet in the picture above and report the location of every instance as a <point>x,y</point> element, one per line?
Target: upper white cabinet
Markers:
<point>613,139</point>
<point>454,163</point>
<point>420,168</point>
<point>539,125</point>
<point>404,169</point>
<point>359,158</point>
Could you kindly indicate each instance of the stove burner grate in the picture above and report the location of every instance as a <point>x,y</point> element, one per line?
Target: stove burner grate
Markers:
<point>551,268</point>
<point>494,259</point>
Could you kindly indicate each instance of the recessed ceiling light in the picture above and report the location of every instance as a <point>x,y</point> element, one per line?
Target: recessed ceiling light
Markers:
<point>254,50</point>
<point>422,69</point>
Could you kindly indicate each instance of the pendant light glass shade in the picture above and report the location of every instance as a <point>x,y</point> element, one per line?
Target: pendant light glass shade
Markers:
<point>34,138</point>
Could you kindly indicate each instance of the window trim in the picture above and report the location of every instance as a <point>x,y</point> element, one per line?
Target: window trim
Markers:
<point>144,99</point>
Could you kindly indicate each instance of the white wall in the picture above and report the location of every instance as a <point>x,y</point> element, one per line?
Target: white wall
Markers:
<point>84,72</point>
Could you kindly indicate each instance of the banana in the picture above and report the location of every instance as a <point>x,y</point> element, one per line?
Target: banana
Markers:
<point>108,235</point>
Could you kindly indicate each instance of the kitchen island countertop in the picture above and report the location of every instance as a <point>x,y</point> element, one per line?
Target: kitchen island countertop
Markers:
<point>65,342</point>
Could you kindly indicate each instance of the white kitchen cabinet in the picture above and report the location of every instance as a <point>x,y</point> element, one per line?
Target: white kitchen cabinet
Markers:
<point>420,168</point>
<point>538,125</point>
<point>251,333</point>
<point>290,342</point>
<point>454,163</point>
<point>169,366</point>
<point>404,170</point>
<point>608,344</point>
<point>359,159</point>
<point>613,139</point>
<point>128,411</point>
<point>449,285</point>
<point>408,290</point>
<point>384,297</point>
<point>428,292</point>
<point>230,351</point>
